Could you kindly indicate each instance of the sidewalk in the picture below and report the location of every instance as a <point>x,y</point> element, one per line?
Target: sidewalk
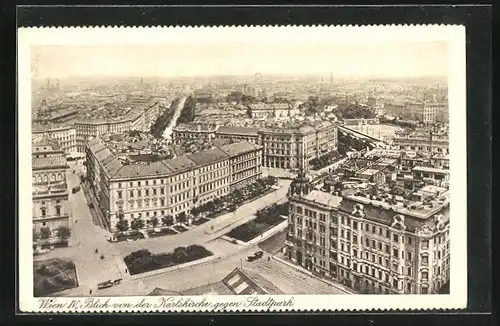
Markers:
<point>304,271</point>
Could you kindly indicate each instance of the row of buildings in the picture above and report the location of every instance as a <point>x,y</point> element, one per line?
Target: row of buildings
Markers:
<point>285,148</point>
<point>374,244</point>
<point>426,140</point>
<point>72,137</point>
<point>428,113</point>
<point>171,186</point>
<point>261,111</point>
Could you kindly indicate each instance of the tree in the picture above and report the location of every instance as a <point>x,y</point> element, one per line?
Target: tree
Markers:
<point>45,232</point>
<point>182,217</point>
<point>137,223</point>
<point>218,203</point>
<point>122,225</point>
<point>154,221</point>
<point>36,235</point>
<point>63,232</point>
<point>168,220</point>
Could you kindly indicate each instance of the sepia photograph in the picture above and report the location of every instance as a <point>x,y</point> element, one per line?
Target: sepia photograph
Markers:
<point>279,166</point>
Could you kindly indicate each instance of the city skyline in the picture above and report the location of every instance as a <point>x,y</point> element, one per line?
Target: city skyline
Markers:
<point>383,60</point>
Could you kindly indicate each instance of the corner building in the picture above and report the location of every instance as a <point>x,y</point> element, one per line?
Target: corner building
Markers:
<point>49,187</point>
<point>367,244</point>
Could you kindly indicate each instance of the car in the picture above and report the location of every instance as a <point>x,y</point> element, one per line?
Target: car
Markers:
<point>76,189</point>
<point>258,254</point>
<point>105,285</point>
<point>255,256</point>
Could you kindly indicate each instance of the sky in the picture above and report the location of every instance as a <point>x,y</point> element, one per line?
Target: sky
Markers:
<point>394,59</point>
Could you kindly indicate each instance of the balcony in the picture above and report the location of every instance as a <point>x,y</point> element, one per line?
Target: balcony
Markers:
<point>50,217</point>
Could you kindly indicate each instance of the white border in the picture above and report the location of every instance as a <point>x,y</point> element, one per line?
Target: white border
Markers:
<point>455,35</point>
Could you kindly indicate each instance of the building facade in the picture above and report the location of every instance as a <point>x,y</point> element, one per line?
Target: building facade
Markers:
<point>167,187</point>
<point>49,190</point>
<point>271,111</point>
<point>194,132</point>
<point>370,245</point>
<point>65,136</point>
<point>422,141</point>
<point>293,149</point>
<point>250,135</point>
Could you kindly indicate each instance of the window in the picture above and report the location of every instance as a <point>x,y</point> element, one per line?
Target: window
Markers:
<point>425,260</point>
<point>355,225</point>
<point>395,237</point>
<point>425,289</point>
<point>425,275</point>
<point>374,230</point>
<point>131,193</point>
<point>395,283</point>
<point>387,248</point>
<point>409,272</point>
<point>367,227</point>
<point>408,255</point>
<point>409,240</point>
<point>387,234</point>
<point>120,194</point>
<point>355,252</point>
<point>355,239</point>
<point>425,244</point>
<point>380,246</point>
<point>44,211</point>
<point>395,252</point>
<point>367,242</point>
<point>58,210</point>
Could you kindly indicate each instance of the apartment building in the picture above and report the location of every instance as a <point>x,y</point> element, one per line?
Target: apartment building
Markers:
<point>371,244</point>
<point>248,134</point>
<point>262,111</point>
<point>194,132</point>
<point>49,188</point>
<point>65,136</point>
<point>139,119</point>
<point>166,187</point>
<point>245,161</point>
<point>422,141</point>
<point>293,149</point>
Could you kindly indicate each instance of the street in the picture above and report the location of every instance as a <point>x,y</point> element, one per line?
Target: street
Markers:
<point>289,280</point>
<point>87,237</point>
<point>169,129</point>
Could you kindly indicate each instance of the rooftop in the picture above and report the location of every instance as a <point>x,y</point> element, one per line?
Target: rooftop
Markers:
<point>48,162</point>
<point>430,169</point>
<point>208,156</point>
<point>238,130</point>
<point>323,198</point>
<point>234,149</point>
<point>368,172</point>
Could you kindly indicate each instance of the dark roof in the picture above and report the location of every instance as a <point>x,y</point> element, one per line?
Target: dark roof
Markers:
<point>38,147</point>
<point>238,148</point>
<point>179,164</point>
<point>142,170</point>
<point>208,157</point>
<point>238,131</point>
<point>48,162</point>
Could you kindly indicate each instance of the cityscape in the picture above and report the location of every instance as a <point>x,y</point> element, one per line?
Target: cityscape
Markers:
<point>146,183</point>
